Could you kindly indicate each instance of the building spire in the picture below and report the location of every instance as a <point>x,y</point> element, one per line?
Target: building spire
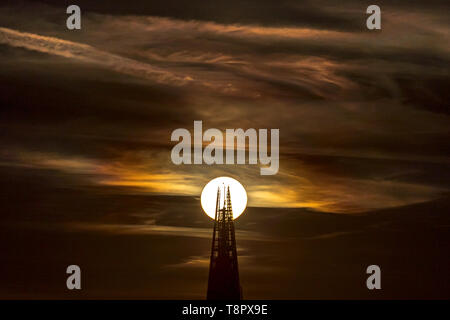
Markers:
<point>223,282</point>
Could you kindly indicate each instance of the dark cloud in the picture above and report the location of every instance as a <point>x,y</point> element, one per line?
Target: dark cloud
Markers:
<point>349,15</point>
<point>299,13</point>
<point>85,126</point>
<point>331,93</point>
<point>305,254</point>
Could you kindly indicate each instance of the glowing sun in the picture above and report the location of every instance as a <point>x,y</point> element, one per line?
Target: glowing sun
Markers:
<point>238,196</point>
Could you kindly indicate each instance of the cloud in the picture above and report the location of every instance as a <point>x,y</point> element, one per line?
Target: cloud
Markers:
<point>362,116</point>
<point>154,229</point>
<point>332,235</point>
<point>88,54</point>
<point>85,124</point>
<point>192,262</point>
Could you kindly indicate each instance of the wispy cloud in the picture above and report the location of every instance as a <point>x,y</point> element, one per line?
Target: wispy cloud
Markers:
<point>89,54</point>
<point>164,230</point>
<point>362,115</point>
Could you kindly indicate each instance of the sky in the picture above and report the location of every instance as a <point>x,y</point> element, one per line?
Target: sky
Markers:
<point>86,119</point>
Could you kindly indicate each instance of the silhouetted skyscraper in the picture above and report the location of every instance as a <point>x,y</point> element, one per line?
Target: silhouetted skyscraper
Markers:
<point>223,282</point>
